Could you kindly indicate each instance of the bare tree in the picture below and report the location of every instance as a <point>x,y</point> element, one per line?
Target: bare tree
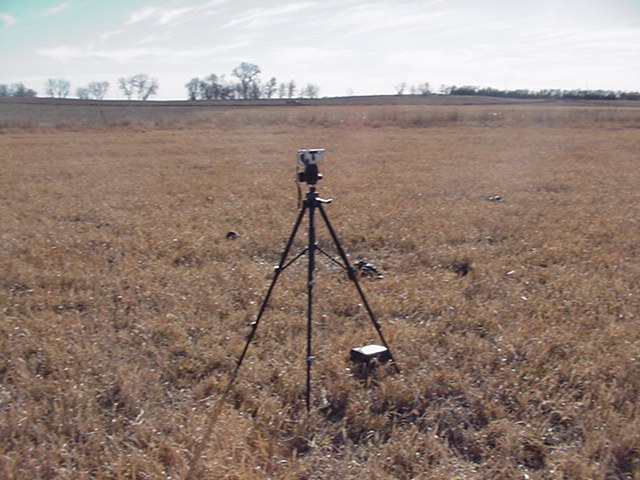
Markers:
<point>424,88</point>
<point>193,88</point>
<point>247,73</point>
<point>255,91</point>
<point>445,89</point>
<point>146,87</point>
<point>19,90</point>
<point>98,90</point>
<point>400,88</point>
<point>225,89</point>
<point>282,90</point>
<point>140,85</point>
<point>291,89</point>
<point>82,93</point>
<point>211,87</point>
<point>94,91</point>
<point>58,87</point>
<point>310,91</point>
<point>270,87</point>
<point>126,87</point>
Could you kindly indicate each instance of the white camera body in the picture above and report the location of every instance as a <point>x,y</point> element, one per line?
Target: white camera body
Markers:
<point>312,156</point>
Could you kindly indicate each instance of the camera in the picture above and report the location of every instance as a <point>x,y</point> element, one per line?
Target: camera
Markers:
<point>310,159</point>
<point>311,156</point>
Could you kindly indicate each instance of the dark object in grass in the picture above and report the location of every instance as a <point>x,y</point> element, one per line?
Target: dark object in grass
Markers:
<point>367,269</point>
<point>462,267</point>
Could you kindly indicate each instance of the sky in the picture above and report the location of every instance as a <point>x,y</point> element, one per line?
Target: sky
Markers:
<point>345,47</point>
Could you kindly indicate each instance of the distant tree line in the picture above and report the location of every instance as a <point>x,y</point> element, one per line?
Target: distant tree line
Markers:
<point>541,94</point>
<point>139,86</point>
<point>16,90</point>
<point>420,89</point>
<point>246,85</point>
<point>425,89</point>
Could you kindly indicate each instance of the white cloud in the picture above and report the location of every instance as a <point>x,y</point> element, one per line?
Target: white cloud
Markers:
<point>111,33</point>
<point>313,55</point>
<point>61,53</point>
<point>169,15</point>
<point>394,19</point>
<point>54,10</point>
<point>152,38</point>
<point>261,17</point>
<point>160,15</point>
<point>66,53</point>
<point>140,15</point>
<point>8,19</point>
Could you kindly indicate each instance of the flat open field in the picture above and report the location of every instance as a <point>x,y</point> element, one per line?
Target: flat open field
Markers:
<point>509,241</point>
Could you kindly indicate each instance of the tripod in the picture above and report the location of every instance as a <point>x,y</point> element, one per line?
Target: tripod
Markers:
<point>312,203</point>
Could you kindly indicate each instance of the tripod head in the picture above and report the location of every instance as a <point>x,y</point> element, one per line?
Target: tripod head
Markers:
<point>309,160</point>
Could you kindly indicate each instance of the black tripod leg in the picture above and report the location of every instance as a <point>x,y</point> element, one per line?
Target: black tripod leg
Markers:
<point>354,278</point>
<point>278,271</point>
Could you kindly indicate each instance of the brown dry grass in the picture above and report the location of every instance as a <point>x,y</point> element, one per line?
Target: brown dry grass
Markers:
<point>125,307</point>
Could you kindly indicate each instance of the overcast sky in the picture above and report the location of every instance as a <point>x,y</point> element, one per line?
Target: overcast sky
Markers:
<point>345,47</point>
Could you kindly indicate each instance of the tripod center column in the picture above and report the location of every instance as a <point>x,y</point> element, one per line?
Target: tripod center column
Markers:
<point>311,204</point>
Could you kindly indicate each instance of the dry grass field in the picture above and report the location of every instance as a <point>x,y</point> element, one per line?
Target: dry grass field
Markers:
<point>125,307</point>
